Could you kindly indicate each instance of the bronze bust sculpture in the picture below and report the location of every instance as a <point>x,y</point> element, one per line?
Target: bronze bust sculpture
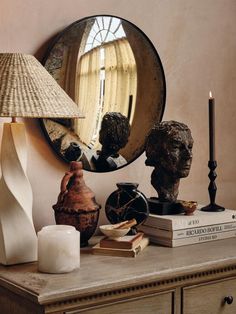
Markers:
<point>169,151</point>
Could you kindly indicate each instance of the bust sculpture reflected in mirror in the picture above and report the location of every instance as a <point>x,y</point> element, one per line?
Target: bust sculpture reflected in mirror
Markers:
<point>169,150</point>
<point>113,135</point>
<point>110,69</point>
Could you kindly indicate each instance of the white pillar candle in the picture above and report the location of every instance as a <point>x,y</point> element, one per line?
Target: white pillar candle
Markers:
<point>58,249</point>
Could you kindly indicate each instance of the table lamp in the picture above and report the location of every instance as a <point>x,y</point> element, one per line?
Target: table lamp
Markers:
<point>26,90</point>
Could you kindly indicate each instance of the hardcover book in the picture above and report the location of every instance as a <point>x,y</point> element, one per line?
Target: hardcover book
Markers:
<point>126,242</point>
<point>188,232</point>
<point>97,249</point>
<point>193,240</point>
<point>199,219</point>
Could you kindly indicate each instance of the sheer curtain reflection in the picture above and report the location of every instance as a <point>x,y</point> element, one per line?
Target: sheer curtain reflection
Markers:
<point>107,82</point>
<point>87,94</point>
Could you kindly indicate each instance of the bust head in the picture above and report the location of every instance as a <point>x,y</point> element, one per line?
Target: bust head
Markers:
<point>114,132</point>
<point>169,151</point>
<point>169,148</point>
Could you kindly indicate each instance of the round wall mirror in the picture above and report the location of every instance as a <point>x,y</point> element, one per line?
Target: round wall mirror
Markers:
<point>110,68</point>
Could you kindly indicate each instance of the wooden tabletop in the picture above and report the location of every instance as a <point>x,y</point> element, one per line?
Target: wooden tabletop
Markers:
<point>101,273</point>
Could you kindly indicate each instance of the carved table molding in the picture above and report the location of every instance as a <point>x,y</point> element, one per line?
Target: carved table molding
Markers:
<point>157,274</point>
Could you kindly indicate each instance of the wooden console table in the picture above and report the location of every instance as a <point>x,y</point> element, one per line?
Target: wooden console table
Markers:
<point>193,279</point>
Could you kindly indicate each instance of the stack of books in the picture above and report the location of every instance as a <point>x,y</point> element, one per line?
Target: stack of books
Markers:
<point>127,246</point>
<point>179,230</point>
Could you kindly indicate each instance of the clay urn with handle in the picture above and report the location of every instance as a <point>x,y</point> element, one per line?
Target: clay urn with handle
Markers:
<point>76,204</point>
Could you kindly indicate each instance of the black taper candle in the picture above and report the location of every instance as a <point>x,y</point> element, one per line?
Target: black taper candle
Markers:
<point>211,128</point>
<point>212,164</point>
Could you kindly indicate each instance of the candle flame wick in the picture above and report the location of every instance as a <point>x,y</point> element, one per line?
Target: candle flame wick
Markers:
<point>210,94</point>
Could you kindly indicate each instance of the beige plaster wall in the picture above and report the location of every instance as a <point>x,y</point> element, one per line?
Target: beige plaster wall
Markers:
<point>196,43</point>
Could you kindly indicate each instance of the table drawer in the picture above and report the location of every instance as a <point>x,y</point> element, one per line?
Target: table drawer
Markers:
<point>210,298</point>
<point>156,303</point>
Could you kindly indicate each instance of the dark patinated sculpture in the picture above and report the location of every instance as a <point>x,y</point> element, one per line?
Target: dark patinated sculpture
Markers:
<point>76,204</point>
<point>169,151</point>
<point>113,135</point>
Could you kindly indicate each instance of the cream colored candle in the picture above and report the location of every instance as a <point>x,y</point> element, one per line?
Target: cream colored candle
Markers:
<point>58,249</point>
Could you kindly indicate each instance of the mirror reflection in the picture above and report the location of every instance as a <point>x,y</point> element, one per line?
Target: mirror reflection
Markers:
<point>113,72</point>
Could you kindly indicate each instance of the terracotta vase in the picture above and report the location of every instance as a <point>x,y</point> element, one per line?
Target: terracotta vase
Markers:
<point>76,204</point>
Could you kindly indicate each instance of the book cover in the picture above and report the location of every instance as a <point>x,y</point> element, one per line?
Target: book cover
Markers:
<point>199,219</point>
<point>121,252</point>
<point>126,242</point>
<point>193,240</point>
<point>189,232</point>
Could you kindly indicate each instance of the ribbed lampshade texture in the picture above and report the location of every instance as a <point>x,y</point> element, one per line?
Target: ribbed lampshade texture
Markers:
<point>28,90</point>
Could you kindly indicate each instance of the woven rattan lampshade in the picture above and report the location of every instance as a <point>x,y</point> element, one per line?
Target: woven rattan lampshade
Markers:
<point>28,90</point>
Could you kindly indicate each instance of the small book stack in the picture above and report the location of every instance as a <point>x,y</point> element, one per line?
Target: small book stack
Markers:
<point>179,230</point>
<point>127,246</point>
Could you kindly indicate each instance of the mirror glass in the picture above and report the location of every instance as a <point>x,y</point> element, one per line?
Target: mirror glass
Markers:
<point>110,68</point>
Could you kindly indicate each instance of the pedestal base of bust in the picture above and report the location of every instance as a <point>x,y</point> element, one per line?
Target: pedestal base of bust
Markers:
<point>164,208</point>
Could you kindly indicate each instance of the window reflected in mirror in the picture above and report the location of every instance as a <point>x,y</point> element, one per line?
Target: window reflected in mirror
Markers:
<point>106,65</point>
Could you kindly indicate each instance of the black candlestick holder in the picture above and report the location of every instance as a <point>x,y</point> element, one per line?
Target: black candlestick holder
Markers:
<point>212,207</point>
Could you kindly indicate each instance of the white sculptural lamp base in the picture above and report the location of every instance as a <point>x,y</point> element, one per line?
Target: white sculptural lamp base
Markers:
<point>18,240</point>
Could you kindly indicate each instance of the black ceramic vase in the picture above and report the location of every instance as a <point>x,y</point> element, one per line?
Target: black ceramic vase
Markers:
<point>126,203</point>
